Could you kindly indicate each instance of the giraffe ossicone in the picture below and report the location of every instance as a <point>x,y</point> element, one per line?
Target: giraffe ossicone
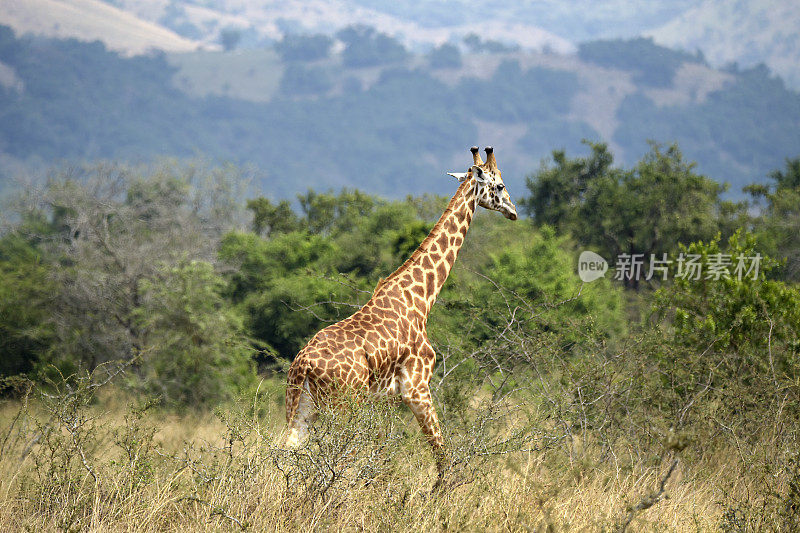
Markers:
<point>383,348</point>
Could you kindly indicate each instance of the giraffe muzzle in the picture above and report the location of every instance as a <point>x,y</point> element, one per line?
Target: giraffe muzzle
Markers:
<point>509,211</point>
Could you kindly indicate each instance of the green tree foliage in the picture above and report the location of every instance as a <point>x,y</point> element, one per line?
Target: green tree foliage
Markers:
<point>541,272</point>
<point>96,251</point>
<point>408,238</point>
<point>651,64</point>
<point>193,346</point>
<point>295,282</point>
<point>646,210</point>
<point>520,278</point>
<point>269,219</point>
<point>152,267</point>
<point>557,193</point>
<point>295,47</point>
<point>287,286</point>
<point>731,343</point>
<point>328,213</point>
<point>445,56</point>
<point>738,310</point>
<point>25,288</point>
<point>365,47</point>
<point>779,221</point>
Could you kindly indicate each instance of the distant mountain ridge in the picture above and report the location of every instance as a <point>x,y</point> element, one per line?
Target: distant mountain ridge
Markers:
<point>260,21</point>
<point>90,20</point>
<point>351,117</point>
<point>746,32</point>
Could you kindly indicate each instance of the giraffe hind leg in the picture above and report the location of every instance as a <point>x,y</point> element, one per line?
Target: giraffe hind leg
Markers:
<point>304,416</point>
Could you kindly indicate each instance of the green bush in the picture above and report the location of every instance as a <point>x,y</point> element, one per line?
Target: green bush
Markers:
<point>742,310</point>
<point>543,273</point>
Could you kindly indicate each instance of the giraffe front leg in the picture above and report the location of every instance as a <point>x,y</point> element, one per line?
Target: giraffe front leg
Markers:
<point>417,395</point>
<point>421,404</point>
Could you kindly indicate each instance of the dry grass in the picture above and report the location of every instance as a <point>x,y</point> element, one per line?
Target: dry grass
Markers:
<point>365,468</point>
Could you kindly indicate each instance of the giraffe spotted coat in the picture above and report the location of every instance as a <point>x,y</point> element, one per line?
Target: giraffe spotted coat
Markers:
<point>383,347</point>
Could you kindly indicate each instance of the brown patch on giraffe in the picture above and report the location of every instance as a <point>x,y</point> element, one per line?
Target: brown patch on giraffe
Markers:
<point>441,271</point>
<point>441,241</point>
<point>430,282</point>
<point>393,291</point>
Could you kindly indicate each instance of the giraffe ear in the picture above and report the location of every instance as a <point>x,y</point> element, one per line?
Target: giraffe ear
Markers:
<point>478,173</point>
<point>460,176</point>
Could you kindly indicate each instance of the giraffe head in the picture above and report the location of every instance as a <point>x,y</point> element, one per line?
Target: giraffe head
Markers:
<point>489,187</point>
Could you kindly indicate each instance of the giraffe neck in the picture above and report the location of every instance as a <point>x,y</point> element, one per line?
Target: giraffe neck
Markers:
<point>430,264</point>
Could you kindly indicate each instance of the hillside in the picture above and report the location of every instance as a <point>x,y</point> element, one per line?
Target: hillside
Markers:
<point>90,20</point>
<point>376,117</point>
<point>747,32</point>
<point>263,22</point>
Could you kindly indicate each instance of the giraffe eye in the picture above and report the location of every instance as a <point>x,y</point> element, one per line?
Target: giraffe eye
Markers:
<point>501,187</point>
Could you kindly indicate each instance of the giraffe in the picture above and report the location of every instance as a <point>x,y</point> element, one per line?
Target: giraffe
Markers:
<point>383,347</point>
